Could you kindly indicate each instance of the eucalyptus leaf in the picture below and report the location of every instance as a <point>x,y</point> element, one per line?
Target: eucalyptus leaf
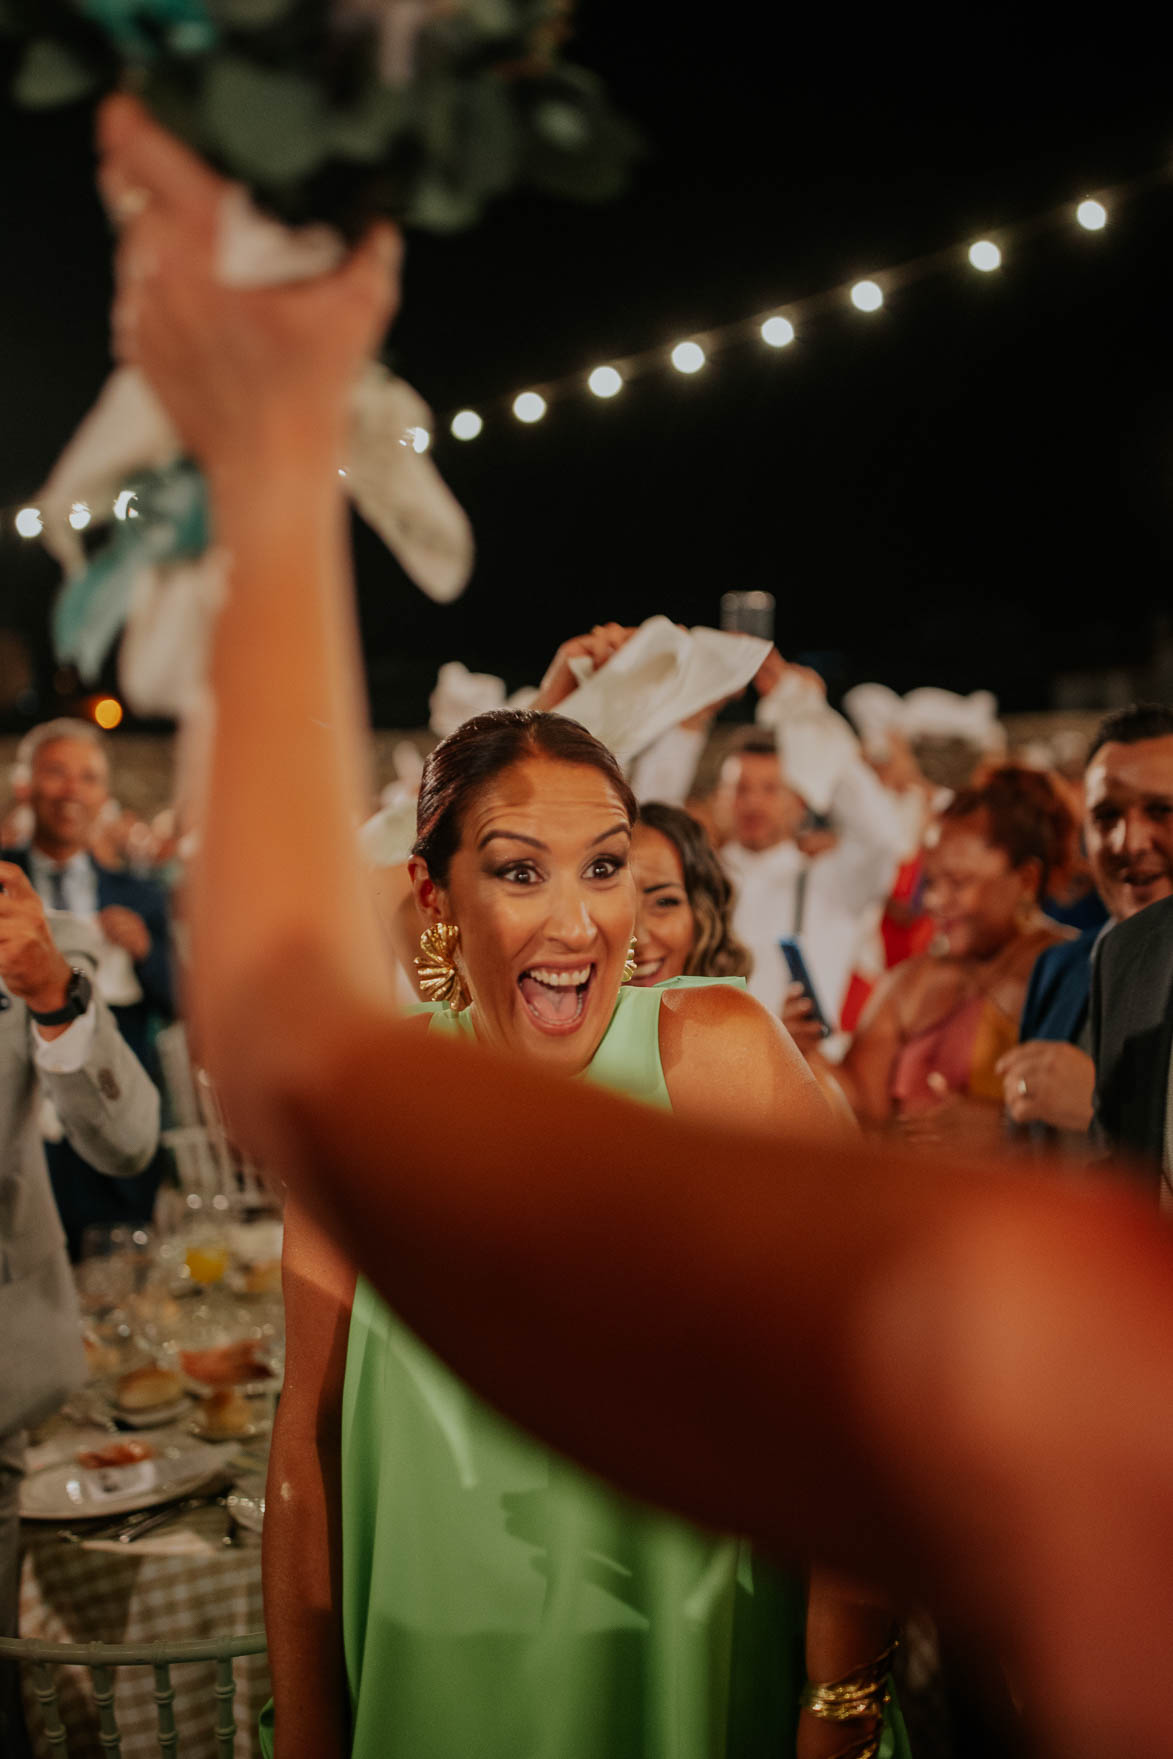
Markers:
<point>365,129</point>
<point>563,124</point>
<point>245,15</point>
<point>267,125</point>
<point>492,137</point>
<point>52,74</point>
<point>438,207</point>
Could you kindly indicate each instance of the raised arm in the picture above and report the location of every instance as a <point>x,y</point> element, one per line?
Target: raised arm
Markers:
<point>922,1373</point>
<point>303,1520</point>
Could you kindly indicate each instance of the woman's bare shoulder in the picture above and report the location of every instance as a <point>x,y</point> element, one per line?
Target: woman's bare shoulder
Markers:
<point>716,1007</point>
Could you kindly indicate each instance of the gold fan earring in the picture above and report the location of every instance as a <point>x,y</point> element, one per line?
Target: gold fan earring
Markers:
<point>630,968</point>
<point>441,979</point>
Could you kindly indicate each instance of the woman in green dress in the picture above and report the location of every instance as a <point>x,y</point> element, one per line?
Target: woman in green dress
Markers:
<point>436,1583</point>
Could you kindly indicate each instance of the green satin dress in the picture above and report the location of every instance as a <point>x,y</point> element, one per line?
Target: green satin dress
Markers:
<point>500,1603</point>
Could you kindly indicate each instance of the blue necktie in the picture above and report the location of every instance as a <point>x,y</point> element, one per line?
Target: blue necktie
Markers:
<point>57,888</point>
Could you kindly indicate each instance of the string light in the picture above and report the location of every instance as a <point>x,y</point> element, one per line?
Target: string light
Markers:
<point>867,296</point>
<point>529,407</point>
<point>605,381</point>
<point>107,712</point>
<point>985,255</point>
<point>688,357</point>
<point>778,332</point>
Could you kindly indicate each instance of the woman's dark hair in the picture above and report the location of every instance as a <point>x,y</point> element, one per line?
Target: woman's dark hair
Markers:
<point>1025,816</point>
<point>716,951</point>
<point>458,768</point>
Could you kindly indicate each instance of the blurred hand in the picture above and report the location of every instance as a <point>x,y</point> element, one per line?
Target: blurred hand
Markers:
<point>1047,1083</point>
<point>126,929</point>
<point>30,964</point>
<point>604,640</point>
<point>952,1120</point>
<point>798,1017</point>
<point>234,367</point>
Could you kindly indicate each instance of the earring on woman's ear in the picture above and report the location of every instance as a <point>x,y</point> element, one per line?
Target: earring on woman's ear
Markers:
<point>441,979</point>
<point>629,968</point>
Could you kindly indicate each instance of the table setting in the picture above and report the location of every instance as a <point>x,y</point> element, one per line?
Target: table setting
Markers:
<point>143,1501</point>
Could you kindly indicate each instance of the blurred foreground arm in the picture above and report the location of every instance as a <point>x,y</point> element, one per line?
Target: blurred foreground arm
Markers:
<point>930,1375</point>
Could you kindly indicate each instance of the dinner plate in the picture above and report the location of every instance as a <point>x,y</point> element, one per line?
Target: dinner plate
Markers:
<point>246,1503</point>
<point>71,1492</point>
<point>154,1417</point>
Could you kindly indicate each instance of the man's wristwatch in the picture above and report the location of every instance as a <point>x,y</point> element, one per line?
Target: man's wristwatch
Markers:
<point>78,993</point>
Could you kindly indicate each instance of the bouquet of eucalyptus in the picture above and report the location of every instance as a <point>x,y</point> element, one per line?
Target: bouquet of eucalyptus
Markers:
<point>323,114</point>
<point>340,110</point>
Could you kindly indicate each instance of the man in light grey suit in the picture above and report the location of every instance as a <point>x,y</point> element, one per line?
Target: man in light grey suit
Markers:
<point>56,1037</point>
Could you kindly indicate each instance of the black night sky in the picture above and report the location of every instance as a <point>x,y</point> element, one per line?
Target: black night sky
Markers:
<point>971,488</point>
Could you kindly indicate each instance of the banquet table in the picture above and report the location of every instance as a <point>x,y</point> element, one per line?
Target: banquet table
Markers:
<point>177,1585</point>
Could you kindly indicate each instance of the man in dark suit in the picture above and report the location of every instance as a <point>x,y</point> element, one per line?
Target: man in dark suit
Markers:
<point>68,786</point>
<point>1132,1039</point>
<point>1049,1077</point>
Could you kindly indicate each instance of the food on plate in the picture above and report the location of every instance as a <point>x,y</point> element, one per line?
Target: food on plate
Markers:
<point>145,1388</point>
<point>263,1278</point>
<point>101,1358</point>
<point>225,1412</point>
<point>116,1453</point>
<point>229,1365</point>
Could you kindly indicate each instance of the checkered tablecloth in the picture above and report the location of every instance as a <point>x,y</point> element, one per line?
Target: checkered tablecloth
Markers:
<point>73,1595</point>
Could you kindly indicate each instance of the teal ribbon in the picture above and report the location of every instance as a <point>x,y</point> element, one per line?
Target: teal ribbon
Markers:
<point>172,526</point>
<point>139,28</point>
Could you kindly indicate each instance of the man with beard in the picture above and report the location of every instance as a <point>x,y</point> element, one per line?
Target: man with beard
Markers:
<point>1050,1076</point>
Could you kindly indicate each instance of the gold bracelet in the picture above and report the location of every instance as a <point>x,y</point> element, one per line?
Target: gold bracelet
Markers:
<point>863,1692</point>
<point>867,1748</point>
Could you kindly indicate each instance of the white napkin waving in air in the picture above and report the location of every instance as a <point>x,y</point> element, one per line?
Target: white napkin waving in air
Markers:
<point>659,678</point>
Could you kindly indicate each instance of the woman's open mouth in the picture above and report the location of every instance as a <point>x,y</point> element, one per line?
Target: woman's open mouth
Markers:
<point>556,997</point>
<point>648,970</point>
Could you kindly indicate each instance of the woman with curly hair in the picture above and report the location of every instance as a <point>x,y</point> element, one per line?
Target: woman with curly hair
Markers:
<point>684,901</point>
<point>924,1059</point>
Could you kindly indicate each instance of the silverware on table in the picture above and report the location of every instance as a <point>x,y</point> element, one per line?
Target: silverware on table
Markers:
<point>128,1528</point>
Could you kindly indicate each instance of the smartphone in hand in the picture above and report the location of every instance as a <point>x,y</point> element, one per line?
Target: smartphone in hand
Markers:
<point>792,953</point>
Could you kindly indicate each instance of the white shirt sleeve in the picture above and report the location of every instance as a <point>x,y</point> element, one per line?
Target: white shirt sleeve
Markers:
<point>71,1049</point>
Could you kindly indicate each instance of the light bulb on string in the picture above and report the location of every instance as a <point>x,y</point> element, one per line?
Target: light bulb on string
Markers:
<point>79,516</point>
<point>1092,215</point>
<point>985,255</point>
<point>605,381</point>
<point>688,357</point>
<point>29,522</point>
<point>107,712</point>
<point>778,332</point>
<point>867,296</point>
<point>466,424</point>
<point>529,407</point>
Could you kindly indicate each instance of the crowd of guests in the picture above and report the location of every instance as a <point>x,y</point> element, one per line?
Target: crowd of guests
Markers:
<point>945,995</point>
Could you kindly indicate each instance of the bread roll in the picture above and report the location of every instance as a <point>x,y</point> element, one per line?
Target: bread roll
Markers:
<point>144,1388</point>
<point>226,1412</point>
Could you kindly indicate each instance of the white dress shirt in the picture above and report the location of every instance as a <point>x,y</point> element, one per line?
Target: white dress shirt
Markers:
<point>838,900</point>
